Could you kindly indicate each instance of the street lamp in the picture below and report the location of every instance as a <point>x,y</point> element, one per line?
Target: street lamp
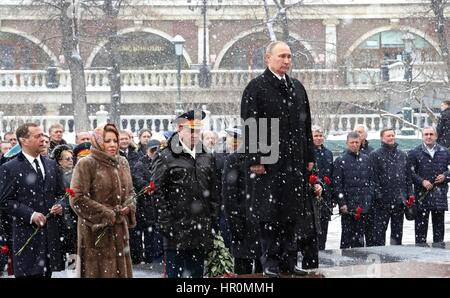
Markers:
<point>178,41</point>
<point>204,75</point>
<point>408,40</point>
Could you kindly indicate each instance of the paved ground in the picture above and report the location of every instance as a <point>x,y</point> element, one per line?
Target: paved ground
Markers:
<point>389,261</point>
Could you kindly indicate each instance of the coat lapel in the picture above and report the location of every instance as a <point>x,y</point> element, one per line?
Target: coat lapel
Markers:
<point>46,170</point>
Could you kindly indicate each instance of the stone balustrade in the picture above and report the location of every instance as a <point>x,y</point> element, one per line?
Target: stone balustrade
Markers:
<point>333,124</point>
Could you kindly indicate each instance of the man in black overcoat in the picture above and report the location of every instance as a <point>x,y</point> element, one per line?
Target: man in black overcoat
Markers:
<point>29,187</point>
<point>281,203</point>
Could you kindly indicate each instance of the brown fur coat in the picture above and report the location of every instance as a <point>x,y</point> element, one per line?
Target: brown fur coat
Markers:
<point>101,183</point>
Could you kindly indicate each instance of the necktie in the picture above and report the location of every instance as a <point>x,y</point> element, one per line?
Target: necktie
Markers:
<point>284,83</point>
<point>38,169</point>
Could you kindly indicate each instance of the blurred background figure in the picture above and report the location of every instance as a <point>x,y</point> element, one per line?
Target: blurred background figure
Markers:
<point>209,140</point>
<point>82,136</point>
<point>144,137</point>
<point>56,132</point>
<point>63,155</point>
<point>443,127</point>
<point>146,242</point>
<point>5,146</point>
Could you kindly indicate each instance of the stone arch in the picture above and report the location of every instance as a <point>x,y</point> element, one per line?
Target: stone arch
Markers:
<point>366,35</point>
<point>125,31</point>
<point>34,40</point>
<point>244,34</point>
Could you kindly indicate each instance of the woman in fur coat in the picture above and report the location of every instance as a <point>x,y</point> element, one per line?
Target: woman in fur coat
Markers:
<point>105,205</point>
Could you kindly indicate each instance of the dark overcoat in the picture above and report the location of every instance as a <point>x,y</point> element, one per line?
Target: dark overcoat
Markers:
<point>426,167</point>
<point>281,192</point>
<point>185,197</point>
<point>353,181</point>
<point>443,129</point>
<point>23,192</point>
<point>391,176</point>
<point>237,190</point>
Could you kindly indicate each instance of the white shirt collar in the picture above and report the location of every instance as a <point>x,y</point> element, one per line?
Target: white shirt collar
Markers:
<point>31,161</point>
<point>277,75</point>
<point>431,150</point>
<point>188,150</point>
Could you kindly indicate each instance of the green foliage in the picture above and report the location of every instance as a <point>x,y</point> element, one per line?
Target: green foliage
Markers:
<point>219,261</point>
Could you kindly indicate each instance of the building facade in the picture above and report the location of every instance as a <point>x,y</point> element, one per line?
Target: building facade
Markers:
<point>344,52</point>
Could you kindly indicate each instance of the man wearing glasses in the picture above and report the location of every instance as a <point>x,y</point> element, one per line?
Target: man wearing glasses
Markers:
<point>430,175</point>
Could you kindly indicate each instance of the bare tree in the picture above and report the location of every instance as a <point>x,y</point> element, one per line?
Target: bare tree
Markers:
<point>438,7</point>
<point>71,51</point>
<point>111,10</point>
<point>280,17</point>
<point>67,13</point>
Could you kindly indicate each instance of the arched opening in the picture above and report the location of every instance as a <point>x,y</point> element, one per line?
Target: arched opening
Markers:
<point>248,53</point>
<point>387,47</point>
<point>142,50</point>
<point>17,52</point>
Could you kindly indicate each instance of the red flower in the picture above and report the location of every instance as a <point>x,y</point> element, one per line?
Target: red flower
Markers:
<point>150,188</point>
<point>358,210</point>
<point>357,215</point>
<point>313,179</point>
<point>4,250</point>
<point>70,192</point>
<point>410,202</point>
<point>327,180</point>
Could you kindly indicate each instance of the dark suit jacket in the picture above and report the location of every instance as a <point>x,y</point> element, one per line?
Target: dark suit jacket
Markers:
<point>23,192</point>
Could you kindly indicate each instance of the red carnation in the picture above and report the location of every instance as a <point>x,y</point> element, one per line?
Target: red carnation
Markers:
<point>357,215</point>
<point>410,202</point>
<point>4,250</point>
<point>313,179</point>
<point>70,192</point>
<point>150,188</point>
<point>327,180</point>
<point>358,210</point>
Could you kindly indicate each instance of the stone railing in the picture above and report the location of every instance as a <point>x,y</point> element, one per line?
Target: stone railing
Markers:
<point>166,80</point>
<point>344,123</point>
<point>334,124</point>
<point>421,72</point>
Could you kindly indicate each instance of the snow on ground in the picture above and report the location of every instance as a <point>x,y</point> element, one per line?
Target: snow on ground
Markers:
<point>334,231</point>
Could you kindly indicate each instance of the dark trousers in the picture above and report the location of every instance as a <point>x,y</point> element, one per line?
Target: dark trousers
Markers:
<point>309,249</point>
<point>47,274</point>
<point>224,230</point>
<point>380,224</point>
<point>353,231</point>
<point>278,246</point>
<point>322,237</point>
<point>421,225</point>
<point>184,263</point>
<point>147,250</point>
<point>245,266</point>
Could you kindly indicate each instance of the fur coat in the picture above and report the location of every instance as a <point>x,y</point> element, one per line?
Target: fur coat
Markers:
<point>101,183</point>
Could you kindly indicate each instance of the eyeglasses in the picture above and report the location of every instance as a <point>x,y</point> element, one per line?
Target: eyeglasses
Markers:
<point>67,159</point>
<point>428,134</point>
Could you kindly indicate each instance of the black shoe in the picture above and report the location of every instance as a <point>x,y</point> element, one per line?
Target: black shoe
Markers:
<point>269,272</point>
<point>299,271</point>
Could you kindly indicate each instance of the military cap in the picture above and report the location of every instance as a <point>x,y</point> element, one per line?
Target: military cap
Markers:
<point>191,118</point>
<point>82,150</point>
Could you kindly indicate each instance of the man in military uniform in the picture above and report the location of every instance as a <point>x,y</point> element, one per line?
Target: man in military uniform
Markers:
<point>185,197</point>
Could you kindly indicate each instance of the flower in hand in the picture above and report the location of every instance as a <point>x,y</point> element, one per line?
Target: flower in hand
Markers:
<point>313,179</point>
<point>410,202</point>
<point>4,250</point>
<point>327,180</point>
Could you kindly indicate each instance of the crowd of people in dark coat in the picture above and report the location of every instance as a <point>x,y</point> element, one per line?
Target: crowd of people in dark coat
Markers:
<point>267,211</point>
